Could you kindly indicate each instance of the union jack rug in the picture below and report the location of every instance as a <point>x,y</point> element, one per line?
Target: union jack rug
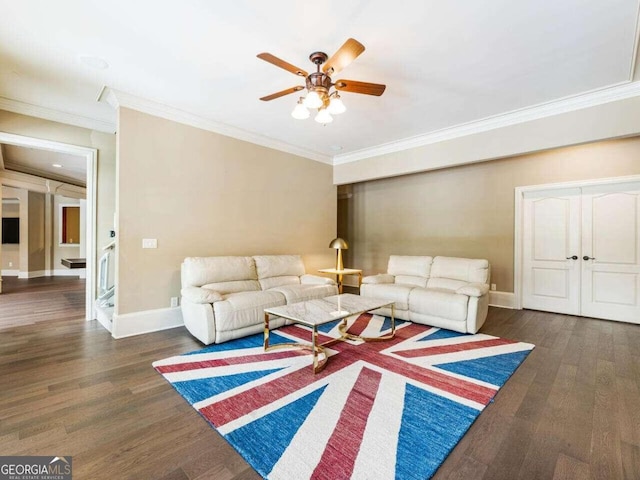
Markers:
<point>379,410</point>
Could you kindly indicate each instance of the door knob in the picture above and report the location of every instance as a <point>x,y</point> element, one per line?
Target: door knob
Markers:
<point>575,257</point>
<point>587,257</point>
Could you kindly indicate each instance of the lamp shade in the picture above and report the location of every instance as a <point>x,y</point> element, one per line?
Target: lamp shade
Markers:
<point>339,243</point>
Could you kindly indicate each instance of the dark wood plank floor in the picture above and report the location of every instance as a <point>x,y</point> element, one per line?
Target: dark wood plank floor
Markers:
<point>572,410</point>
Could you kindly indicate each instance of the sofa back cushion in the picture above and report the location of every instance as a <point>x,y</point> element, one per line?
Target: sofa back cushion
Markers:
<point>463,269</point>
<point>228,271</point>
<point>410,270</point>
<point>278,270</point>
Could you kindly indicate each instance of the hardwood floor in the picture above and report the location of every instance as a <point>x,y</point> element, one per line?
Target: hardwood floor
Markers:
<point>572,410</point>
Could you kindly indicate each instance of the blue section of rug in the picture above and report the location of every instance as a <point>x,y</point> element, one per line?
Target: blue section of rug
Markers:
<point>495,370</point>
<point>288,422</point>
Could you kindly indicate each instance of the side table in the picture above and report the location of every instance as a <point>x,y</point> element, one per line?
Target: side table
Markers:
<point>344,271</point>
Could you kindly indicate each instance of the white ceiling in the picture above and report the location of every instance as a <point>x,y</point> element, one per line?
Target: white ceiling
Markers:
<point>34,161</point>
<point>445,63</point>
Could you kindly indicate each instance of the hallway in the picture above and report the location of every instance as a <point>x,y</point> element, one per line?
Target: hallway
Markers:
<point>43,299</point>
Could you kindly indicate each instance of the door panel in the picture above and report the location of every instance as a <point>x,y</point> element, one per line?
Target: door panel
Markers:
<point>551,225</point>
<point>611,226</point>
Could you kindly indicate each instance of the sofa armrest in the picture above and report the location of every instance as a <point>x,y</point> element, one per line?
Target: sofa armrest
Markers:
<point>380,278</point>
<point>308,279</point>
<point>474,289</point>
<point>200,295</point>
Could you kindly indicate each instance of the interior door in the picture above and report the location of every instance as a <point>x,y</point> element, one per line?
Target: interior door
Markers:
<point>610,252</point>
<point>551,250</point>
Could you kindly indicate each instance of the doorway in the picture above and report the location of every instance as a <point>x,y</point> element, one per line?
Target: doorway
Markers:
<point>580,248</point>
<point>90,156</point>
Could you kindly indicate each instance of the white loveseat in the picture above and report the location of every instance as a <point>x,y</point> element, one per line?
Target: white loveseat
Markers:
<point>224,297</point>
<point>446,292</point>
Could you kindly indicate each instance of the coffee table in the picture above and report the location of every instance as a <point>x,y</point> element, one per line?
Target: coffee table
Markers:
<point>313,313</point>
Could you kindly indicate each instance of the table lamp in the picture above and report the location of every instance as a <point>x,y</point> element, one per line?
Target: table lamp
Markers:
<point>339,244</point>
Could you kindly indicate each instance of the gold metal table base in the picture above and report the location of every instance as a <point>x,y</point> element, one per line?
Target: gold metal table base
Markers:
<point>318,348</point>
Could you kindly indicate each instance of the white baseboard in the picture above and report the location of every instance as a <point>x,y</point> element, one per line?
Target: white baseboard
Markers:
<point>502,299</point>
<point>33,274</point>
<point>137,323</point>
<point>69,272</point>
<point>104,315</point>
<point>77,272</point>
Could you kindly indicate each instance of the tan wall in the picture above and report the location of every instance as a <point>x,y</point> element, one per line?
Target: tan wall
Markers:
<point>36,240</point>
<point>466,211</point>
<point>105,144</point>
<point>199,193</point>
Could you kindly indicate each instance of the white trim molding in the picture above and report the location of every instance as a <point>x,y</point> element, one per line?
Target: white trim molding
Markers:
<point>10,273</point>
<point>32,274</point>
<point>91,156</point>
<point>56,115</point>
<point>118,99</point>
<point>518,226</point>
<point>549,109</point>
<point>502,299</point>
<point>147,321</point>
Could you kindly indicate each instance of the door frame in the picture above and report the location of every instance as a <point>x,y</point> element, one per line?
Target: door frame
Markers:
<point>518,226</point>
<point>91,156</point>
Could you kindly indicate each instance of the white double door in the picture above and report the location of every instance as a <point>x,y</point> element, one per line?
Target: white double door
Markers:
<point>581,251</point>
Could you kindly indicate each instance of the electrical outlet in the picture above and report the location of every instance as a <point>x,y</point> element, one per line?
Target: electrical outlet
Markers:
<point>493,287</point>
<point>174,301</point>
<point>149,243</point>
<point>11,264</point>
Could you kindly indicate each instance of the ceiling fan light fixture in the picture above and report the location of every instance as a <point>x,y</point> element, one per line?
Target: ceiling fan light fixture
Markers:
<point>300,112</point>
<point>336,107</point>
<point>323,117</point>
<point>313,100</point>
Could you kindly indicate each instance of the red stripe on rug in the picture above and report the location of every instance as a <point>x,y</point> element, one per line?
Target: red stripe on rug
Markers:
<point>360,324</point>
<point>458,347</point>
<point>224,362</point>
<point>462,388</point>
<point>340,453</point>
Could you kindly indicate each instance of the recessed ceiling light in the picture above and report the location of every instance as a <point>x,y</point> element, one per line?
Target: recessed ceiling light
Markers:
<point>93,62</point>
<point>56,165</point>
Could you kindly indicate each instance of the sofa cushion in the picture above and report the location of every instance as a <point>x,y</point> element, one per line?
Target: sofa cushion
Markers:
<point>411,280</point>
<point>380,278</point>
<point>234,287</point>
<point>276,270</point>
<point>415,266</point>
<point>392,292</point>
<point>474,289</point>
<point>199,271</point>
<point>302,293</point>
<point>465,269</point>
<point>239,310</point>
<point>446,283</point>
<point>439,303</point>
<point>200,295</point>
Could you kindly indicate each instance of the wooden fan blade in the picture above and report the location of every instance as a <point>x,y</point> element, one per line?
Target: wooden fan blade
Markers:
<point>267,57</point>
<point>346,54</point>
<point>360,87</point>
<point>282,93</point>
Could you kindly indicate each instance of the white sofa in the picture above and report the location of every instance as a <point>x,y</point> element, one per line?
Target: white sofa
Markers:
<point>224,297</point>
<point>446,292</point>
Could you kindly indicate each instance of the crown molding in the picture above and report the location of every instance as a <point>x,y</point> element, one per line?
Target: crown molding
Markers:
<point>56,115</point>
<point>117,99</point>
<point>564,105</point>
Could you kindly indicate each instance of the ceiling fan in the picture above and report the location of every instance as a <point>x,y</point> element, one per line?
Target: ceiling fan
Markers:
<point>319,83</point>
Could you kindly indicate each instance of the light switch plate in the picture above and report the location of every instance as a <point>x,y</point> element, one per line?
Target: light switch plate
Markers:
<point>149,243</point>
